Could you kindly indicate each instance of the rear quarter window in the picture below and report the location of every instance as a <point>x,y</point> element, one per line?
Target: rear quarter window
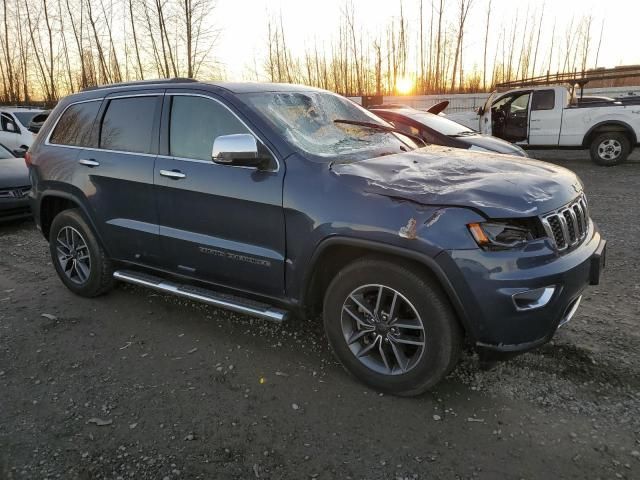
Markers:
<point>543,100</point>
<point>75,124</point>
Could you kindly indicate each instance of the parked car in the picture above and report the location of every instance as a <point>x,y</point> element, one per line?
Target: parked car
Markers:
<point>440,130</point>
<point>273,199</point>
<point>14,186</point>
<point>14,123</point>
<point>544,117</point>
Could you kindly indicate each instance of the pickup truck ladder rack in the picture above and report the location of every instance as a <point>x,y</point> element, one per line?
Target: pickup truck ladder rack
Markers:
<point>574,78</point>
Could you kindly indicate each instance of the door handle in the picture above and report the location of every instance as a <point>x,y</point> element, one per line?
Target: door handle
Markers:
<point>175,174</point>
<point>88,163</point>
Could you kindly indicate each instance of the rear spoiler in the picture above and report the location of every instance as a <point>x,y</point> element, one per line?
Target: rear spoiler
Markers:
<point>438,107</point>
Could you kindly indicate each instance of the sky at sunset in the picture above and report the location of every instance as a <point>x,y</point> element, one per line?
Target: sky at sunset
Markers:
<point>243,38</point>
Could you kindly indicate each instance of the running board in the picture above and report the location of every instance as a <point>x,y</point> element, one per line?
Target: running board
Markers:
<point>228,302</point>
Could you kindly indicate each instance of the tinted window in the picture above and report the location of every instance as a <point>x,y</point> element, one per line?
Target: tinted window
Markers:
<point>441,124</point>
<point>127,124</point>
<point>74,126</point>
<point>543,100</point>
<point>195,123</point>
<point>404,127</point>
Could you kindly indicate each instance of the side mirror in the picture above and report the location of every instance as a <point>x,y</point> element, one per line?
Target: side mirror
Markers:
<point>239,149</point>
<point>480,111</point>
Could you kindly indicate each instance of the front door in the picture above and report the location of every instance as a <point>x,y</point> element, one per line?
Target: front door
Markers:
<point>485,126</point>
<point>218,223</point>
<point>510,117</point>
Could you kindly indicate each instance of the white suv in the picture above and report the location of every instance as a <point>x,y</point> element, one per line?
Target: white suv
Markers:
<point>14,122</point>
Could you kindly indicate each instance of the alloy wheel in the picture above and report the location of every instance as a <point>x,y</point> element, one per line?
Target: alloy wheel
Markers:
<point>383,329</point>
<point>609,149</point>
<point>73,255</point>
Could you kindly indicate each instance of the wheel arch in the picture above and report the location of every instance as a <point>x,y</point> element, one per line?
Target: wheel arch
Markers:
<point>332,254</point>
<point>610,126</point>
<point>52,202</point>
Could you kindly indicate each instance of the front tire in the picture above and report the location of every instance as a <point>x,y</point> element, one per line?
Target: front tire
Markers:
<point>610,148</point>
<point>391,326</point>
<point>79,259</point>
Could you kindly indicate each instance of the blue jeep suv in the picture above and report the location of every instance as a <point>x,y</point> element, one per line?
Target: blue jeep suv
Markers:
<point>273,199</point>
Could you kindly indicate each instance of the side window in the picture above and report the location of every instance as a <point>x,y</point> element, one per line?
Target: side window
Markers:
<point>74,126</point>
<point>127,124</point>
<point>543,100</point>
<point>521,103</point>
<point>195,123</point>
<point>8,124</point>
<point>501,102</point>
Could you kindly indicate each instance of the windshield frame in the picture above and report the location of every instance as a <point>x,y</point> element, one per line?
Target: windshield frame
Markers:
<point>398,144</point>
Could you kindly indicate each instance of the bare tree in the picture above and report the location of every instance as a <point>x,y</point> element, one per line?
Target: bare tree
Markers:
<point>486,43</point>
<point>465,5</point>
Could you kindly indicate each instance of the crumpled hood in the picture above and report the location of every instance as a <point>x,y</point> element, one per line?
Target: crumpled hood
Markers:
<point>498,185</point>
<point>13,173</point>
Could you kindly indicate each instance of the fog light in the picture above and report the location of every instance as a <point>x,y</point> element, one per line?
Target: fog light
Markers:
<point>532,299</point>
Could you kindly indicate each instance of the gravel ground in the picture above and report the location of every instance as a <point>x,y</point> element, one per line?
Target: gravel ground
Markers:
<point>140,385</point>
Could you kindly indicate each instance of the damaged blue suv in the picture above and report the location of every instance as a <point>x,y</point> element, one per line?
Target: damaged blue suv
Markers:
<point>270,199</point>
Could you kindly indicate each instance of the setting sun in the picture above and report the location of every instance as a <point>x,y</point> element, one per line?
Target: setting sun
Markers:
<point>404,85</point>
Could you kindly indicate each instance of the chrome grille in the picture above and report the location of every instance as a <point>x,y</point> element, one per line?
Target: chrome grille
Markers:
<point>14,192</point>
<point>568,226</point>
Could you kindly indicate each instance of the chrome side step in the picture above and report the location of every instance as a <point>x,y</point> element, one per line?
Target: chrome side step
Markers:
<point>229,302</point>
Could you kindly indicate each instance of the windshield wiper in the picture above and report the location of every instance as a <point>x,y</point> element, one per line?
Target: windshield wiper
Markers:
<point>464,134</point>
<point>382,128</point>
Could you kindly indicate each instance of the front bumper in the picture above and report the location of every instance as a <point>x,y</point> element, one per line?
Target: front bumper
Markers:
<point>486,283</point>
<point>13,209</point>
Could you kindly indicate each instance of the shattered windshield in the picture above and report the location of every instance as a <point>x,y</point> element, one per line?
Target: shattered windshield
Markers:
<point>307,120</point>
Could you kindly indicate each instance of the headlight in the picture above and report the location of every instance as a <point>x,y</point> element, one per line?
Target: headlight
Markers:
<point>499,235</point>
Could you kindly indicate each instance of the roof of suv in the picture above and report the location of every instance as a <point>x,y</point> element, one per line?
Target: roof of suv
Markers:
<point>235,87</point>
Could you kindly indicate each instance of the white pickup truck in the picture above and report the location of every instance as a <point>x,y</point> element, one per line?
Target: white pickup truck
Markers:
<point>553,117</point>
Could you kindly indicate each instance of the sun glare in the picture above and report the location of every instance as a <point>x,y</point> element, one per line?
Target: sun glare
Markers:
<point>404,85</point>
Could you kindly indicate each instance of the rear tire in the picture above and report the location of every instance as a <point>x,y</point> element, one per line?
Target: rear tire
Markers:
<point>79,259</point>
<point>403,348</point>
<point>610,148</point>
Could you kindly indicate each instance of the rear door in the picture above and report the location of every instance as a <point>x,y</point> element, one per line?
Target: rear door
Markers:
<point>219,223</point>
<point>117,174</point>
<point>546,118</point>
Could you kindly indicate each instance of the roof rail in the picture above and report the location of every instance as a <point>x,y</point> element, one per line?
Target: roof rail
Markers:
<point>158,81</point>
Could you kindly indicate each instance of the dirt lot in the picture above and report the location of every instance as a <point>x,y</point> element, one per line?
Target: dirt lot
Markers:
<point>140,385</point>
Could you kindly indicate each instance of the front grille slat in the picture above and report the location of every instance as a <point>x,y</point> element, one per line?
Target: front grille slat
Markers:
<point>568,225</point>
<point>14,192</point>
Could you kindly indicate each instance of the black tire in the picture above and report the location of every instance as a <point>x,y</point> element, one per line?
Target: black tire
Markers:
<point>99,279</point>
<point>610,148</point>
<point>442,334</point>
